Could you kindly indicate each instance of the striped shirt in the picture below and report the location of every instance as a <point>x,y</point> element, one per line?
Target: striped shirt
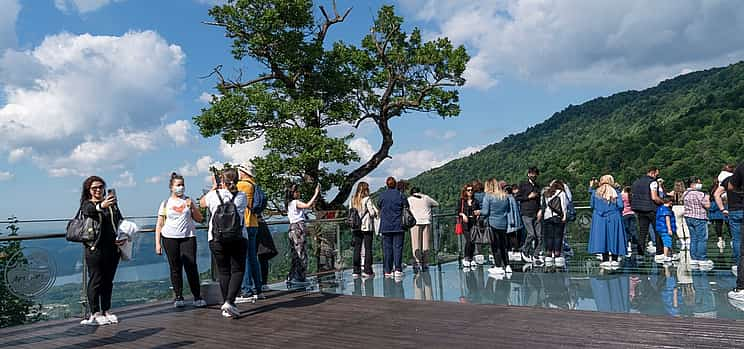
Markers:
<point>695,202</point>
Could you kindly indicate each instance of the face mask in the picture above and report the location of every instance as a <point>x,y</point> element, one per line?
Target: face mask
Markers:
<point>698,186</point>
<point>179,190</point>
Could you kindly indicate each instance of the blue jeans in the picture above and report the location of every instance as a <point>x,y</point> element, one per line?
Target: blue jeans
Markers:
<point>252,279</point>
<point>698,238</point>
<point>392,252</point>
<point>734,221</point>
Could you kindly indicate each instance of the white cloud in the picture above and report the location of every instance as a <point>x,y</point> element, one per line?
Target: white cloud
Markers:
<point>81,6</point>
<point>18,154</point>
<point>212,2</point>
<point>243,152</point>
<point>362,147</point>
<point>154,180</point>
<point>6,176</point>
<point>629,43</point>
<point>179,131</point>
<point>201,166</point>
<point>125,180</point>
<point>444,136</point>
<point>8,16</point>
<point>82,102</point>
<point>205,97</point>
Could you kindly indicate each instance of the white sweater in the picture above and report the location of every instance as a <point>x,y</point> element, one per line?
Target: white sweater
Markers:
<point>421,205</point>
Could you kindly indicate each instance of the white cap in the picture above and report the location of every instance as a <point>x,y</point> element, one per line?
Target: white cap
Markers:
<point>247,168</point>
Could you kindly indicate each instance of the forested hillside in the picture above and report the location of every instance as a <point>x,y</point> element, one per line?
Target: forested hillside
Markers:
<point>689,125</point>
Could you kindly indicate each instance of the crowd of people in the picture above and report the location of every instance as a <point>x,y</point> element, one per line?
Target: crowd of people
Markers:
<point>523,222</point>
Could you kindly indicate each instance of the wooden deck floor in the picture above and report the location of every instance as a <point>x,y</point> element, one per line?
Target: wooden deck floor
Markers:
<point>315,320</point>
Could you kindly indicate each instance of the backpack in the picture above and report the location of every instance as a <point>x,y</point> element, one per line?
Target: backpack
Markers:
<point>555,206</point>
<point>259,200</point>
<point>226,223</point>
<point>354,220</point>
<point>571,214</point>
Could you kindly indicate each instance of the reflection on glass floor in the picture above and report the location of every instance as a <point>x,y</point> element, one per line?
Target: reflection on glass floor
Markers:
<point>638,286</point>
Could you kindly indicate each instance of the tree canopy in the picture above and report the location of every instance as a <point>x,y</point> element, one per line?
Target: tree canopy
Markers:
<point>309,85</point>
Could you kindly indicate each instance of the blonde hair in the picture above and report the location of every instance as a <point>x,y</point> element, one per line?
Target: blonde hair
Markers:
<point>494,188</point>
<point>606,188</point>
<point>361,193</point>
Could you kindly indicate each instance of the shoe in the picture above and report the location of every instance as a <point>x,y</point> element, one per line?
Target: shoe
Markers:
<point>694,262</point>
<point>244,298</point>
<point>737,294</point>
<point>526,258</point>
<point>508,269</point>
<point>496,270</point>
<point>721,243</point>
<point>548,261</point>
<point>200,303</point>
<point>605,264</point>
<point>266,288</point>
<point>735,270</point>
<point>367,276</point>
<point>230,309</point>
<point>599,256</point>
<point>479,259</point>
<point>651,249</point>
<point>560,261</point>
<point>111,318</point>
<point>178,302</point>
<point>675,257</point>
<point>465,263</point>
<point>659,258</point>
<point>667,260</point>
<point>226,314</point>
<point>398,274</point>
<point>496,277</point>
<point>538,262</point>
<point>466,269</point>
<point>615,264</point>
<point>355,275</point>
<point>526,267</point>
<point>388,275</point>
<point>95,320</point>
<point>425,268</point>
<point>491,260</point>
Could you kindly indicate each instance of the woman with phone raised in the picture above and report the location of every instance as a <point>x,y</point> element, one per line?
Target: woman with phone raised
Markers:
<point>101,257</point>
<point>176,216</point>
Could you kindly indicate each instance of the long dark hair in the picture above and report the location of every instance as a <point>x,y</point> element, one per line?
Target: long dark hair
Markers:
<point>714,187</point>
<point>85,194</point>
<point>289,194</point>
<point>554,187</point>
<point>230,177</point>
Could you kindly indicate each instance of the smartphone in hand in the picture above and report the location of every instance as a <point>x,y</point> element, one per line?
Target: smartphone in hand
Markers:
<point>111,192</point>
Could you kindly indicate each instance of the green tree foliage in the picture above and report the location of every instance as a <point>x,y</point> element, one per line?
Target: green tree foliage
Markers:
<point>308,85</point>
<point>688,126</point>
<point>14,310</point>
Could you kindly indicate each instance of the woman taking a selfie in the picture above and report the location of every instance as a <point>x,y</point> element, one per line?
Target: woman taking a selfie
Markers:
<point>101,257</point>
<point>176,216</point>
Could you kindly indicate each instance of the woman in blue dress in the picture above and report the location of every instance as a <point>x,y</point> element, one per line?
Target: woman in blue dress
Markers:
<point>607,236</point>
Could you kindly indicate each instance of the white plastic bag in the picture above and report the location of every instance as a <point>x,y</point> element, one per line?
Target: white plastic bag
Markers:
<point>126,232</point>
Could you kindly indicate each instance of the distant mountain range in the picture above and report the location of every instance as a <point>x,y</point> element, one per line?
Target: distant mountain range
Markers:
<point>688,125</point>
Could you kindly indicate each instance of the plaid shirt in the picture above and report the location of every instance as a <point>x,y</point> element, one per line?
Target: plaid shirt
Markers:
<point>694,201</point>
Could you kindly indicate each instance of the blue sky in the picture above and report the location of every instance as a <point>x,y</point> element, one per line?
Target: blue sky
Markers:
<point>109,87</point>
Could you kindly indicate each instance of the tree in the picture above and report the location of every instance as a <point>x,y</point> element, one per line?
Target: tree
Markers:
<point>308,86</point>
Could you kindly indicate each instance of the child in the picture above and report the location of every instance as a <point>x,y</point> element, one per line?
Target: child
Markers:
<point>666,225</point>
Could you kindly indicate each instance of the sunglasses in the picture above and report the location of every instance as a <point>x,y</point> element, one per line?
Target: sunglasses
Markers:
<point>469,189</point>
<point>100,187</point>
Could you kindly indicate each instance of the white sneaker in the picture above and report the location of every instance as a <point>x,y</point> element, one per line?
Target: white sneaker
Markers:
<point>200,303</point>
<point>178,303</point>
<point>466,269</point>
<point>675,257</point>
<point>721,243</point>
<point>508,269</point>
<point>659,258</point>
<point>560,261</point>
<point>111,318</point>
<point>230,309</point>
<point>615,264</point>
<point>694,262</point>
<point>96,319</point>
<point>479,259</point>
<point>667,259</point>
<point>736,294</point>
<point>548,261</point>
<point>599,256</point>
<point>526,258</point>
<point>398,274</point>
<point>243,299</point>
<point>226,314</point>
<point>465,263</point>
<point>605,264</point>
<point>651,248</point>
<point>496,270</point>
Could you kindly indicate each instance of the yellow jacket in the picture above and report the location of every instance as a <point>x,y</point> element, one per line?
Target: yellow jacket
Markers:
<point>246,186</point>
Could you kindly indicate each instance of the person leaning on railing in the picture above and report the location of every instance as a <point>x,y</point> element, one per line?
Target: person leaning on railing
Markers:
<point>102,258</point>
<point>176,216</point>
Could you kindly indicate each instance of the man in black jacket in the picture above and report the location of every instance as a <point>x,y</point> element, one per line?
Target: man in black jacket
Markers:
<point>645,199</point>
<point>529,200</point>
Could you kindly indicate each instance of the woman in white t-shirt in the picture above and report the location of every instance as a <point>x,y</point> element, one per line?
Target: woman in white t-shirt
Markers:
<point>176,229</point>
<point>229,254</point>
<point>297,231</point>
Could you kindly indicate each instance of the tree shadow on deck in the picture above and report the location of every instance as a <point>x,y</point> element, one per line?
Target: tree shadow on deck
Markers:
<point>77,331</point>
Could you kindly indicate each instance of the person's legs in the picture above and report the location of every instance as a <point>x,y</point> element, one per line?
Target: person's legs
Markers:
<point>549,236</point>
<point>387,253</point>
<point>416,240</point>
<point>398,250</point>
<point>425,241</point>
<point>718,227</point>
<point>469,245</point>
<point>188,256</point>
<point>222,261</point>
<point>172,249</point>
<point>530,240</point>
<point>356,255</point>
<point>237,255</point>
<point>96,273</point>
<point>252,279</point>
<point>264,263</point>
<point>735,220</point>
<point>643,225</point>
<point>299,252</point>
<point>107,290</point>
<point>560,230</point>
<point>540,240</point>
<point>367,241</point>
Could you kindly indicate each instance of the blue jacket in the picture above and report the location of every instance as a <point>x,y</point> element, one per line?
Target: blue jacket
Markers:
<point>661,213</point>
<point>391,204</point>
<point>514,218</point>
<point>496,210</point>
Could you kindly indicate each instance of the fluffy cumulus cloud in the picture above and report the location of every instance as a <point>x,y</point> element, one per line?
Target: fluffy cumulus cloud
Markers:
<point>81,6</point>
<point>125,180</point>
<point>362,147</point>
<point>629,43</point>
<point>82,103</point>
<point>179,131</point>
<point>200,167</point>
<point>6,176</point>
<point>243,152</point>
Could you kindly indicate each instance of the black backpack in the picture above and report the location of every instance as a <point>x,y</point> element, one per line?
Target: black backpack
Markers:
<point>227,224</point>
<point>354,220</point>
<point>555,206</point>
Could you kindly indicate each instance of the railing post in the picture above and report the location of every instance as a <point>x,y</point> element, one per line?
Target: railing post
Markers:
<point>338,247</point>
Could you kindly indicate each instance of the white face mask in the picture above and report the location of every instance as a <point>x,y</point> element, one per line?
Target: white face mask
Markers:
<point>178,190</point>
<point>698,186</point>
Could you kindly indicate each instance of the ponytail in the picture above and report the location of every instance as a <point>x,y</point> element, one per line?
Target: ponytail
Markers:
<point>230,177</point>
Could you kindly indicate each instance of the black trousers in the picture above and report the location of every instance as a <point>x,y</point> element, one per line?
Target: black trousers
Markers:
<point>644,219</point>
<point>358,238</point>
<point>263,263</point>
<point>553,235</point>
<point>718,227</point>
<point>498,247</point>
<point>181,255</point>
<point>469,245</point>
<point>230,260</point>
<point>102,263</point>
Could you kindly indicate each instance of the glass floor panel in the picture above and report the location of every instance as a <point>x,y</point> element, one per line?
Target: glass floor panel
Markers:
<point>637,286</point>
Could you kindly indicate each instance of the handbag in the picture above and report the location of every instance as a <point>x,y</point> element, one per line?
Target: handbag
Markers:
<point>481,233</point>
<point>458,226</point>
<point>84,229</point>
<point>408,221</point>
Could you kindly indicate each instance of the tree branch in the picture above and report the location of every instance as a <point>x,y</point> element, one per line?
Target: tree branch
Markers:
<point>330,21</point>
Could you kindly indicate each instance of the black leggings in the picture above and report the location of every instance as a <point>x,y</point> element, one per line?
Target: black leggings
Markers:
<point>102,263</point>
<point>230,260</point>
<point>553,235</point>
<point>718,226</point>
<point>362,237</point>
<point>181,253</point>
<point>264,265</point>
<point>469,245</point>
<point>498,247</point>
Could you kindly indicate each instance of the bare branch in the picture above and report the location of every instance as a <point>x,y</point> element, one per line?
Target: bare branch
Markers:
<point>215,24</point>
<point>368,116</point>
<point>330,21</point>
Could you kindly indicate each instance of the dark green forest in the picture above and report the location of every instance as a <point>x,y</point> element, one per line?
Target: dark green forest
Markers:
<point>688,125</point>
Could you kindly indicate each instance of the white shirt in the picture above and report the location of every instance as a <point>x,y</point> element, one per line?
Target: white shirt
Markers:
<point>421,205</point>
<point>213,202</point>
<point>295,214</point>
<point>178,223</point>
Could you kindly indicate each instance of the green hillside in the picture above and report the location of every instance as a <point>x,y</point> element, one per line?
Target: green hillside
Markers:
<point>689,125</point>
